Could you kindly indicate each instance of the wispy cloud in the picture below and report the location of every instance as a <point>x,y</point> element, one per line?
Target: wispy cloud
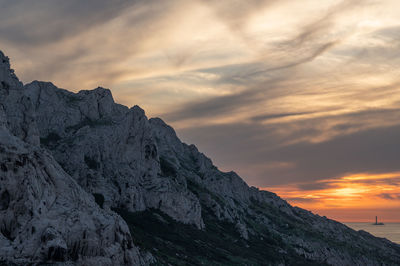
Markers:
<point>281,91</point>
<point>91,43</point>
<point>264,117</point>
<point>365,192</point>
<point>27,23</point>
<point>236,13</point>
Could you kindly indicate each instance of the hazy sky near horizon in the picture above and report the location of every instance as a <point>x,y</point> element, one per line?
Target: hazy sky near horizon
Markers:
<point>295,96</point>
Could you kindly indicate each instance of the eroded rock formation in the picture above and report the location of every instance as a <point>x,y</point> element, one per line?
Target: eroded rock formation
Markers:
<point>72,163</point>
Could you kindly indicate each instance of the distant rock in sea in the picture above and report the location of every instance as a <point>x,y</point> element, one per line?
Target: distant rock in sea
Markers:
<point>86,181</point>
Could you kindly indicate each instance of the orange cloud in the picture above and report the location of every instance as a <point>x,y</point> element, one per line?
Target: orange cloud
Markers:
<point>351,198</point>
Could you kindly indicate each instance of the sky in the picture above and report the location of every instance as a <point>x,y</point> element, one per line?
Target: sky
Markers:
<point>301,98</point>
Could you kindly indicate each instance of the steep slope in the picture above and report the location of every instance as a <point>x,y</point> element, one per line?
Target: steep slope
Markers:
<point>45,216</point>
<point>17,110</point>
<point>293,236</point>
<point>177,203</point>
<point>109,150</point>
<point>62,151</point>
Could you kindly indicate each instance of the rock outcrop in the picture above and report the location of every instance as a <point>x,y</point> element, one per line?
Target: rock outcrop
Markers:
<point>109,150</point>
<point>45,216</point>
<point>18,112</point>
<point>73,164</point>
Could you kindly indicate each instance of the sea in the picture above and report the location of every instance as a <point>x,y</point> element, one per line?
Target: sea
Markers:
<point>390,231</point>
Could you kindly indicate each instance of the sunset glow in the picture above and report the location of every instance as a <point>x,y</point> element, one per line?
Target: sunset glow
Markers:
<point>292,95</point>
<point>352,198</point>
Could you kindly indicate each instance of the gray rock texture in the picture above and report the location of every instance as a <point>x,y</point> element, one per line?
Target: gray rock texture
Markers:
<point>109,150</point>
<point>63,152</point>
<point>44,214</point>
<point>18,112</point>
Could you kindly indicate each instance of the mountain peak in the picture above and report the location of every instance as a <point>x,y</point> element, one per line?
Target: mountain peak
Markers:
<point>4,59</point>
<point>61,200</point>
<point>8,79</point>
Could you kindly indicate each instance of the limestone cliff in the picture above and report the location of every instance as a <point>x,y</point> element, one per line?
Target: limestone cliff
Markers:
<point>63,152</point>
<point>44,214</point>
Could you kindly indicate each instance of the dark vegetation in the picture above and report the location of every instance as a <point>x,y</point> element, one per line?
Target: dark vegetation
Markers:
<point>302,228</point>
<point>198,190</point>
<point>176,243</point>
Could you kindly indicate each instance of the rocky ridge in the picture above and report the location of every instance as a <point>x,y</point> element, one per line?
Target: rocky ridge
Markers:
<point>44,214</point>
<point>83,147</point>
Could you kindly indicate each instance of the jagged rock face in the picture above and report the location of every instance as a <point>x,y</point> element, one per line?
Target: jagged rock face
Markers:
<point>140,169</point>
<point>18,112</point>
<point>139,164</point>
<point>231,199</point>
<point>225,193</point>
<point>109,150</point>
<point>45,216</point>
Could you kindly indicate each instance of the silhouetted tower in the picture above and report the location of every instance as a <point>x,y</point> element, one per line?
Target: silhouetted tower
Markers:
<point>376,219</point>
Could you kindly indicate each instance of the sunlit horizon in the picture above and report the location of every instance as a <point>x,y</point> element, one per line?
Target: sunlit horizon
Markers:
<point>291,95</point>
<point>352,198</point>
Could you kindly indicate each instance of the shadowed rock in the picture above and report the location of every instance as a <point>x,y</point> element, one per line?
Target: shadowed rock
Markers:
<point>69,161</point>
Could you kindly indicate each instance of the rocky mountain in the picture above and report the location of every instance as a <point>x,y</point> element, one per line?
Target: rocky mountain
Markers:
<point>86,181</point>
<point>44,214</point>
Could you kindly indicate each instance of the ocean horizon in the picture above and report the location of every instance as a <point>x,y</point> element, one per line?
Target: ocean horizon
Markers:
<point>390,231</point>
<point>199,132</point>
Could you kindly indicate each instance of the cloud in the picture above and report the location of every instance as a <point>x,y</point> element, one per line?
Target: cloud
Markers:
<point>365,193</point>
<point>258,92</point>
<point>264,117</point>
<point>216,106</point>
<point>40,22</point>
<point>321,25</point>
<point>390,196</point>
<point>308,44</point>
<point>246,147</point>
<point>281,91</point>
<point>371,151</point>
<point>302,59</point>
<point>314,186</point>
<point>236,13</point>
<point>301,200</point>
<point>91,43</point>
